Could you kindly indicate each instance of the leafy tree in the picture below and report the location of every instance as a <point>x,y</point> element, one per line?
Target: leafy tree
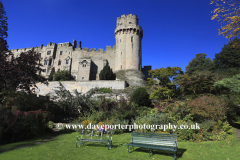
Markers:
<point>3,22</point>
<point>198,83</point>
<point>163,82</point>
<point>62,76</point>
<point>232,84</point>
<point>19,72</point>
<point>141,97</point>
<point>107,74</point>
<point>199,63</point>
<point>229,57</point>
<point>227,13</point>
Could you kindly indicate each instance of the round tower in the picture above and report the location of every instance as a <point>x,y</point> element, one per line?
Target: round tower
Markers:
<point>128,35</point>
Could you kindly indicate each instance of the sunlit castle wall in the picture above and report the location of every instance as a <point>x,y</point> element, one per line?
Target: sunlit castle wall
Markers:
<point>128,35</point>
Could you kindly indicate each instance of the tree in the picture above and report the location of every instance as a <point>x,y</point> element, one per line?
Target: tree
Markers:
<point>3,22</point>
<point>197,83</point>
<point>199,63</point>
<point>107,73</point>
<point>227,13</point>
<point>19,72</point>
<point>162,81</point>
<point>229,57</point>
<point>232,84</point>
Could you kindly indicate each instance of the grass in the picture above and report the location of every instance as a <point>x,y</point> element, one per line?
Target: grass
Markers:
<point>64,147</point>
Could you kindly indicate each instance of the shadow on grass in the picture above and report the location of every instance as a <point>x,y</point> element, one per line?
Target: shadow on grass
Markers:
<point>33,141</point>
<point>180,152</point>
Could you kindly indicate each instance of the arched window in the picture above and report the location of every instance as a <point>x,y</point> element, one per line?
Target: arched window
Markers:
<point>59,62</point>
<point>50,62</point>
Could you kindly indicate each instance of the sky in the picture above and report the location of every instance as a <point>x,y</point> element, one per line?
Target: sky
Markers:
<point>174,31</point>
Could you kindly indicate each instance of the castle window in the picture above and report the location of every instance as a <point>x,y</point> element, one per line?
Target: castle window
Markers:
<point>48,52</point>
<point>84,65</point>
<point>131,39</point>
<point>45,62</point>
<point>69,53</point>
<point>67,61</point>
<point>82,78</point>
<point>130,22</point>
<point>58,70</point>
<point>39,54</point>
<point>44,70</point>
<point>61,52</point>
<point>59,62</point>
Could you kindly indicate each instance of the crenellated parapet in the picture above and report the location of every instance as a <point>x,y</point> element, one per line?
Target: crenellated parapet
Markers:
<point>135,31</point>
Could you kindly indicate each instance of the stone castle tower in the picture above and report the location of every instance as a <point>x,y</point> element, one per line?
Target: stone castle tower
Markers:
<point>128,35</point>
<point>86,64</point>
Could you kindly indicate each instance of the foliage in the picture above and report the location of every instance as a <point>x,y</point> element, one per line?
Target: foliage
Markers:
<point>23,125</point>
<point>3,22</point>
<point>164,78</point>
<point>208,107</point>
<point>19,72</point>
<point>73,104</point>
<point>199,63</point>
<point>198,83</point>
<point>63,75</point>
<point>105,90</point>
<point>141,97</point>
<point>229,57</point>
<point>107,74</point>
<point>227,13</point>
<point>232,84</point>
<point>50,124</point>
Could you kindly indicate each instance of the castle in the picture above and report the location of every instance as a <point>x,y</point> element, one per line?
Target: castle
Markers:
<point>85,64</point>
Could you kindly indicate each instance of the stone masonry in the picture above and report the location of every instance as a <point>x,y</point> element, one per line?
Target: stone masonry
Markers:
<point>85,64</point>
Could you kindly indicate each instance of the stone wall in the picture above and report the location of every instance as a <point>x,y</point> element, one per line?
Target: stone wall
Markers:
<point>81,86</point>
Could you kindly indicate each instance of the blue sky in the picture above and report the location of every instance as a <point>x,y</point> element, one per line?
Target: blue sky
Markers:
<point>174,31</point>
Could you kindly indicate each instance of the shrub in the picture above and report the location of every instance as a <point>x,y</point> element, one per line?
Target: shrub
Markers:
<point>141,97</point>
<point>105,90</point>
<point>63,75</point>
<point>24,125</point>
<point>208,107</point>
<point>107,74</point>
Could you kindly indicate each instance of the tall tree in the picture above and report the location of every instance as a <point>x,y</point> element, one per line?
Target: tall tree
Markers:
<point>107,74</point>
<point>229,57</point>
<point>199,63</point>
<point>3,22</point>
<point>227,12</point>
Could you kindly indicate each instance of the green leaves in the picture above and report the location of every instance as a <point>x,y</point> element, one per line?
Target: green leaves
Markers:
<point>199,63</point>
<point>229,83</point>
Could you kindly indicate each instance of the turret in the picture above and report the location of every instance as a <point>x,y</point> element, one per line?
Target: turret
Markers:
<point>128,35</point>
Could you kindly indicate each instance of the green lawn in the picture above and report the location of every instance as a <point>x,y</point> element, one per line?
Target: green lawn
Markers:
<point>64,147</point>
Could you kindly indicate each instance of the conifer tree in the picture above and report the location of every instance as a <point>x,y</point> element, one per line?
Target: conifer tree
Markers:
<point>107,74</point>
<point>3,22</point>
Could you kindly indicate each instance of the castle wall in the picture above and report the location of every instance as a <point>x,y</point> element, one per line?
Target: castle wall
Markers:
<point>81,86</point>
<point>126,54</point>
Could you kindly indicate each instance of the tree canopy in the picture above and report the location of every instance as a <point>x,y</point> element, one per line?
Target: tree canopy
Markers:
<point>227,13</point>
<point>3,22</point>
<point>229,57</point>
<point>199,63</point>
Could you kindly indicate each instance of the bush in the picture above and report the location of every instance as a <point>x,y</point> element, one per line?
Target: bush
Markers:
<point>107,74</point>
<point>208,107</point>
<point>141,97</point>
<point>24,125</point>
<point>63,75</point>
<point>105,90</point>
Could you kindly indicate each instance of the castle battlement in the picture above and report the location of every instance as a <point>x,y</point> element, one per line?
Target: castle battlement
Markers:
<point>86,64</point>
